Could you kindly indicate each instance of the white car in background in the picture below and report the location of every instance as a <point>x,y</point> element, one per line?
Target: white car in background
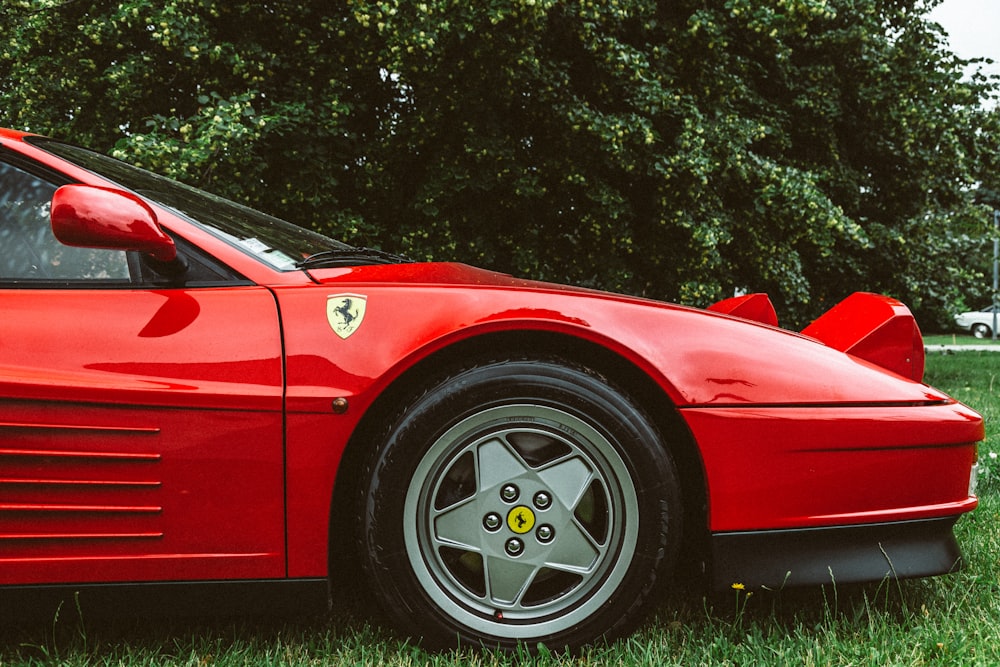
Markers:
<point>978,322</point>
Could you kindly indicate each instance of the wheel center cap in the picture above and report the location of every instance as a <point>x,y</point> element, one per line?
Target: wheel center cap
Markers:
<point>521,519</point>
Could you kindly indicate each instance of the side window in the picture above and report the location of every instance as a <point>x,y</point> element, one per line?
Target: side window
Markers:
<point>30,253</point>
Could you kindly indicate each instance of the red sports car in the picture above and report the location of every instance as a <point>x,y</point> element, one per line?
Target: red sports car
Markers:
<point>205,404</point>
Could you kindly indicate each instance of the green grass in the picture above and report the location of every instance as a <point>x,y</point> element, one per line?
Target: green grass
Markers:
<point>947,620</point>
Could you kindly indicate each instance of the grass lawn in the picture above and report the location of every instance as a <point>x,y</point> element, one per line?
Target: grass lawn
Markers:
<point>947,620</point>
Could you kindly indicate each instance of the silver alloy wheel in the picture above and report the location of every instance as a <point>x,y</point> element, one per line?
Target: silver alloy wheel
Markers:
<point>569,525</point>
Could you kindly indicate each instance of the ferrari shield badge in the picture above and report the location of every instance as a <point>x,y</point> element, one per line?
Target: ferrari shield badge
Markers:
<point>345,312</point>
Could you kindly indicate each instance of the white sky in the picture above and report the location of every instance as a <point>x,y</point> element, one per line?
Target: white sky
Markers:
<point>973,28</point>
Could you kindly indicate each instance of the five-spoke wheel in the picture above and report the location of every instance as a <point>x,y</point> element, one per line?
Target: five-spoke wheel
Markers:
<point>520,514</point>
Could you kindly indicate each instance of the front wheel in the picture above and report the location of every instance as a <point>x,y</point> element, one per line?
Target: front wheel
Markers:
<point>519,502</point>
<point>981,331</point>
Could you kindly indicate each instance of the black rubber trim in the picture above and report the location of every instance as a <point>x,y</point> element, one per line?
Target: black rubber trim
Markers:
<point>842,554</point>
<point>160,599</point>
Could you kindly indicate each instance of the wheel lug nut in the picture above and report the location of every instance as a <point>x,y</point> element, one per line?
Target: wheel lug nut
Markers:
<point>509,493</point>
<point>542,500</point>
<point>492,522</point>
<point>545,533</point>
<point>514,547</point>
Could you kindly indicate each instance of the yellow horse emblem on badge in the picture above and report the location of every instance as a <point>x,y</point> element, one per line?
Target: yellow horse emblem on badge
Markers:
<point>521,519</point>
<point>345,312</point>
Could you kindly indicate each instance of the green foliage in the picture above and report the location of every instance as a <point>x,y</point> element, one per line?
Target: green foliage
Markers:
<point>681,150</point>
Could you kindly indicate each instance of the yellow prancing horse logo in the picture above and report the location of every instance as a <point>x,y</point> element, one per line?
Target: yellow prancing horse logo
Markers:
<point>345,312</point>
<point>521,519</point>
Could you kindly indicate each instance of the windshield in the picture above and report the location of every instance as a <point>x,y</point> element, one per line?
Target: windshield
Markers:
<point>280,244</point>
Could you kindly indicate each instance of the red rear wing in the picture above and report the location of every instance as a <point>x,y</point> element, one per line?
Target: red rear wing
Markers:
<point>873,327</point>
<point>754,307</point>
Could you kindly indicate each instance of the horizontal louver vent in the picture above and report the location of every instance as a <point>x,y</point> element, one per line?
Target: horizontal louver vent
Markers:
<point>56,494</point>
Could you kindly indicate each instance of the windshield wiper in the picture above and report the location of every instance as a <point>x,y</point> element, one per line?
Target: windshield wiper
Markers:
<point>351,257</point>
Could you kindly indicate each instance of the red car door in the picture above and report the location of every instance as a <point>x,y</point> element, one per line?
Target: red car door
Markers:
<point>141,432</point>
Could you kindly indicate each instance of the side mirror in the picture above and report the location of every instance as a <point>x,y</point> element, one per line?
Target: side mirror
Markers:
<point>88,216</point>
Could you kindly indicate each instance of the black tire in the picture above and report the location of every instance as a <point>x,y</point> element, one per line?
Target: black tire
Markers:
<point>981,331</point>
<point>516,503</point>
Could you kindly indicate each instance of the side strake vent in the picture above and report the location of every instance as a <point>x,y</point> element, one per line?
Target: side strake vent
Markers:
<point>58,492</point>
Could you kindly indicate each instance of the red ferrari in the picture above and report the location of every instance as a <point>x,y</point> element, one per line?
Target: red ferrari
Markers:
<point>204,404</point>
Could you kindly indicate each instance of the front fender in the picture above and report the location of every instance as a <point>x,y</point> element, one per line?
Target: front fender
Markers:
<point>697,357</point>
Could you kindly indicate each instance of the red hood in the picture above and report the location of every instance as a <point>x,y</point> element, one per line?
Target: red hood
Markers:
<point>441,273</point>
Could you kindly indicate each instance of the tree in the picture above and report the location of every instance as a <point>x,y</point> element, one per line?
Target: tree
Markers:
<point>681,150</point>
